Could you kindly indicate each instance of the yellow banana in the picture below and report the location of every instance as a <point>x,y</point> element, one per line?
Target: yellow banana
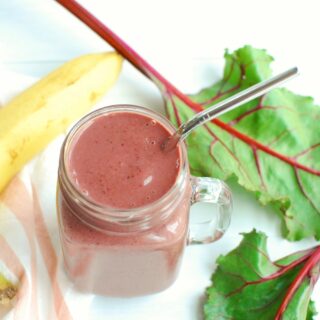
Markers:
<point>36,116</point>
<point>7,290</point>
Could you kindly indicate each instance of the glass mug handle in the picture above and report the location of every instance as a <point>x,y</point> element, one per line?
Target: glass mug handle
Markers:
<point>217,193</point>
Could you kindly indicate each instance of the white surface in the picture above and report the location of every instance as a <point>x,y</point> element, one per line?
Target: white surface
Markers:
<point>184,40</point>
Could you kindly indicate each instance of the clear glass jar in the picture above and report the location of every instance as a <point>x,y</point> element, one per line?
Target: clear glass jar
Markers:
<point>136,251</point>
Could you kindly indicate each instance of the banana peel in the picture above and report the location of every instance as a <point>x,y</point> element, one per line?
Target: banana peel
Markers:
<point>39,114</point>
<point>7,291</point>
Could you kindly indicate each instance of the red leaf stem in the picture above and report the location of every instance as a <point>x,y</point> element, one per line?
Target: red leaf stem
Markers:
<point>304,272</point>
<point>254,143</point>
<point>282,270</point>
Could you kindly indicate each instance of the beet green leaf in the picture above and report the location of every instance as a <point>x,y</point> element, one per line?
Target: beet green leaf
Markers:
<point>271,145</point>
<point>247,285</point>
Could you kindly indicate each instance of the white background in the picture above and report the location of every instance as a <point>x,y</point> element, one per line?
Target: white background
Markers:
<point>185,41</point>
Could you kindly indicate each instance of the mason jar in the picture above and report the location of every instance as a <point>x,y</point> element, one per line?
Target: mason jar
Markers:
<point>130,252</point>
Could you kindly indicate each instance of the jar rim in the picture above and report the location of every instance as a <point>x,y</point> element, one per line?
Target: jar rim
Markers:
<point>102,211</point>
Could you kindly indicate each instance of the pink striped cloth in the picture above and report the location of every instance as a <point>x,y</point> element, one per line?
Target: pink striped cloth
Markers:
<point>29,241</point>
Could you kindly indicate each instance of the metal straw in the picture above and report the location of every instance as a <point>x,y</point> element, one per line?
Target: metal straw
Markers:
<point>226,105</point>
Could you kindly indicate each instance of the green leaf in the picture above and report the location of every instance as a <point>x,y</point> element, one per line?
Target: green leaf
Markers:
<point>311,311</point>
<point>247,285</point>
<point>271,145</point>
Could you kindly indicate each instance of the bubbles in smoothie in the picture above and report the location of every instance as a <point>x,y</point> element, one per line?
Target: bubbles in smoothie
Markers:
<point>150,141</point>
<point>151,122</point>
<point>150,195</point>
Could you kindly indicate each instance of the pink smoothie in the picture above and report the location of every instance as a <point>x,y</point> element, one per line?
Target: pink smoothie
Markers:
<point>116,161</point>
